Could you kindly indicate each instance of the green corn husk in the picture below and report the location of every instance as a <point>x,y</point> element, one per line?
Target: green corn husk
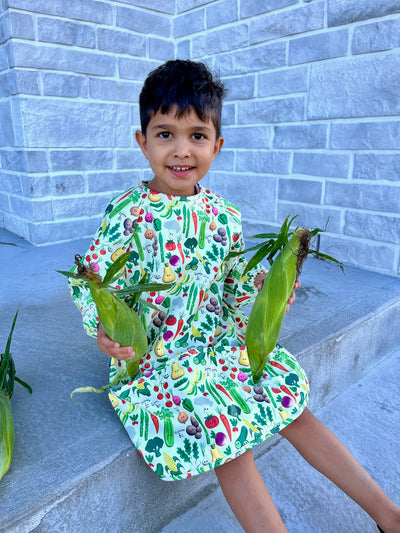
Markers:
<point>268,312</point>
<point>121,323</point>
<point>6,434</point>
<point>7,379</point>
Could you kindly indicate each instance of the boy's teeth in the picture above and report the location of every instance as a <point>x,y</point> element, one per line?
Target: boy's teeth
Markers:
<point>181,168</point>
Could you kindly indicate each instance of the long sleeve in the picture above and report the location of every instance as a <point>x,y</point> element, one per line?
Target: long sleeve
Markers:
<point>110,241</point>
<point>239,289</point>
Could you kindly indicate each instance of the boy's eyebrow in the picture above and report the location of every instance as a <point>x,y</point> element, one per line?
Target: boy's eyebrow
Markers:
<point>168,127</point>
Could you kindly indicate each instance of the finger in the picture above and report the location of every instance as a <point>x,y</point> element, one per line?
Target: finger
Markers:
<point>124,353</point>
<point>290,301</point>
<point>297,284</point>
<point>112,348</point>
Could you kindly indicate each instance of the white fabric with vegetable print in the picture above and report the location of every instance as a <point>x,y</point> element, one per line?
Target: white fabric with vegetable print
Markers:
<point>193,404</point>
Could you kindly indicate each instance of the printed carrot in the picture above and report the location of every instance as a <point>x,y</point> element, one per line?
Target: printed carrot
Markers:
<point>180,324</point>
<point>287,391</point>
<point>277,365</point>
<point>221,388</point>
<point>125,195</point>
<point>194,216</point>
<point>242,298</point>
<point>201,297</point>
<point>181,252</point>
<point>155,422</point>
<point>225,421</point>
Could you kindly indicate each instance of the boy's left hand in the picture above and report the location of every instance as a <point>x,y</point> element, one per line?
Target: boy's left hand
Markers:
<point>259,280</point>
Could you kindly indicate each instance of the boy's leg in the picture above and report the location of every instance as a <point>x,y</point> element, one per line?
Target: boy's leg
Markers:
<point>247,495</point>
<point>324,451</point>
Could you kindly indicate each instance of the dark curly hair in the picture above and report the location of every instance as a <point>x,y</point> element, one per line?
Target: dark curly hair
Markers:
<point>185,84</point>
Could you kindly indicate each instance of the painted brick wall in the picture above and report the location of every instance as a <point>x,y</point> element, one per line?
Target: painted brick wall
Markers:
<point>70,77</point>
<point>311,121</point>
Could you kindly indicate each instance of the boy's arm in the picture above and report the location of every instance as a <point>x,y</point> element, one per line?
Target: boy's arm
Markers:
<point>108,242</point>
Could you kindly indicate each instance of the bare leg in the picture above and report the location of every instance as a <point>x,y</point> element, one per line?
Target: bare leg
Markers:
<point>248,496</point>
<point>319,446</point>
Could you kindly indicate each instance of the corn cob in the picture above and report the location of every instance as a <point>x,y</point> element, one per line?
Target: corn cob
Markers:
<point>268,312</point>
<point>7,379</point>
<point>121,323</point>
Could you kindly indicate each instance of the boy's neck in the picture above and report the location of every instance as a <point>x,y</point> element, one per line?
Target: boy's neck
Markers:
<point>195,191</point>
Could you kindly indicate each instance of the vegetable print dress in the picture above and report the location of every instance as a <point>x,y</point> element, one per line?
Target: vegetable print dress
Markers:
<point>192,405</point>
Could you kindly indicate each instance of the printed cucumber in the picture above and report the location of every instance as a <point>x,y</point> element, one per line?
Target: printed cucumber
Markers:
<point>239,400</point>
<point>168,432</point>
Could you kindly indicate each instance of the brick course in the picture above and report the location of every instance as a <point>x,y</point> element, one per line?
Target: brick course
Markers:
<point>311,117</point>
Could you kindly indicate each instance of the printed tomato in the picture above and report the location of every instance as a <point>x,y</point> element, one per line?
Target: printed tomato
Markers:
<point>170,245</point>
<point>211,421</point>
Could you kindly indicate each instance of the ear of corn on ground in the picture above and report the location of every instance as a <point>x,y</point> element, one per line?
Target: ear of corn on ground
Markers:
<point>7,379</point>
<point>7,434</point>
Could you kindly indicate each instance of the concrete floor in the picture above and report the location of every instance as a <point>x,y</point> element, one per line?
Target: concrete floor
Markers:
<point>74,468</point>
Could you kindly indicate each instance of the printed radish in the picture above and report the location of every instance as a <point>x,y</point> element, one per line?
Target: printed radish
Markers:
<point>286,401</point>
<point>168,335</point>
<point>220,438</point>
<point>174,260</point>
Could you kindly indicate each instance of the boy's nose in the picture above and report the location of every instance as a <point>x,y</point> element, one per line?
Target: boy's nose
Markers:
<point>182,149</point>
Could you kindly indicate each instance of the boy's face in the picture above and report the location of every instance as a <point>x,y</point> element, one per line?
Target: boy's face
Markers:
<point>179,150</point>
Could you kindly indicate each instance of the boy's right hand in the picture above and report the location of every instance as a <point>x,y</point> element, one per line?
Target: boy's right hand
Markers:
<point>112,348</point>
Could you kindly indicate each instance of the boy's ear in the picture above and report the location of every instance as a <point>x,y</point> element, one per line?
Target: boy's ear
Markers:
<point>218,145</point>
<point>141,140</point>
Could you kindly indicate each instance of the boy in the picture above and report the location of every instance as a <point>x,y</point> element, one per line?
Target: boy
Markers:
<point>190,407</point>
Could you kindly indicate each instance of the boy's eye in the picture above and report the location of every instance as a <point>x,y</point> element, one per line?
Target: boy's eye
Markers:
<point>165,135</point>
<point>198,136</point>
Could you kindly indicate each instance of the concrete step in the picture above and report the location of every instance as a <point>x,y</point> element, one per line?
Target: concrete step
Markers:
<point>366,419</point>
<point>74,468</point>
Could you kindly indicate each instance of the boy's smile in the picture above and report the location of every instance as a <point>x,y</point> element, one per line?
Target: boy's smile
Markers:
<point>180,150</point>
